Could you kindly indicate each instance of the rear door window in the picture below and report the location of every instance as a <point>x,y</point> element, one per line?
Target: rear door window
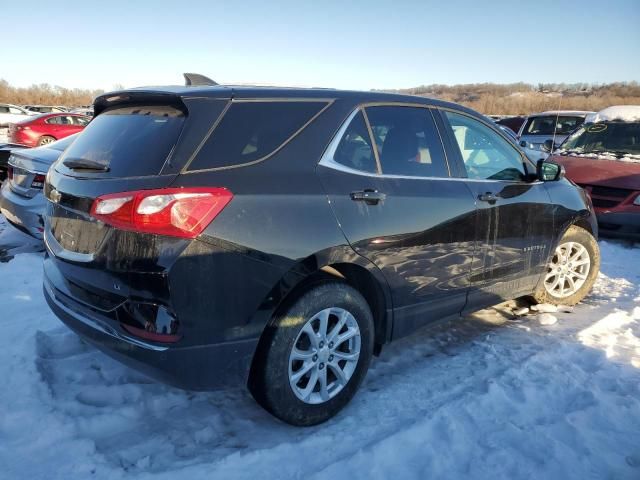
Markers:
<point>126,141</point>
<point>407,141</point>
<point>251,131</point>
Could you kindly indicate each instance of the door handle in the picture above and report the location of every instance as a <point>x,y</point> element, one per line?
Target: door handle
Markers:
<point>488,197</point>
<point>370,197</point>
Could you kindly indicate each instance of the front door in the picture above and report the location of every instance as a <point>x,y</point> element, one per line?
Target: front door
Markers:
<point>388,180</point>
<point>515,215</point>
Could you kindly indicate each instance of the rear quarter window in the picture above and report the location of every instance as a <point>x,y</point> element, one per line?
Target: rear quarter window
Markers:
<point>250,131</point>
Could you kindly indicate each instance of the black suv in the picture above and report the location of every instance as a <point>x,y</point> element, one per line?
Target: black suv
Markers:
<point>279,237</point>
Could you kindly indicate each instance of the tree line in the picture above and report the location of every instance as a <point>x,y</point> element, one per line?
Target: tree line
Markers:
<point>488,98</point>
<point>45,94</point>
<point>523,98</point>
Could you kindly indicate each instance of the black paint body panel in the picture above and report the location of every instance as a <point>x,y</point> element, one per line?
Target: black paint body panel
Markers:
<point>430,248</point>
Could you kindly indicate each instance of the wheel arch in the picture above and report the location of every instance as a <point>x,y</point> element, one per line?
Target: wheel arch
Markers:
<point>340,264</point>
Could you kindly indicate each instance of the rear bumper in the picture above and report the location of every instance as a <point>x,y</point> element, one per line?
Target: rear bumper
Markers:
<point>200,367</point>
<point>23,212</point>
<point>619,224</point>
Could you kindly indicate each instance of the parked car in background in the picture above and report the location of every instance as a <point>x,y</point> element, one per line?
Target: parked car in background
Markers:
<point>45,109</point>
<point>552,125</point>
<point>88,112</point>
<point>21,199</point>
<point>46,128</point>
<point>11,114</point>
<point>603,157</point>
<point>305,230</point>
<point>5,153</point>
<point>512,123</point>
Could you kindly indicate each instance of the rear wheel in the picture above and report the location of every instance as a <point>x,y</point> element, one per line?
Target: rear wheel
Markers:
<point>315,355</point>
<point>572,271</point>
<point>45,139</point>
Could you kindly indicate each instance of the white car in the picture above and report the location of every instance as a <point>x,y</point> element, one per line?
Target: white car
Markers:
<point>11,114</point>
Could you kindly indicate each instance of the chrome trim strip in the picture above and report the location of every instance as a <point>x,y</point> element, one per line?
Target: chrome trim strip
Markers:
<point>327,159</point>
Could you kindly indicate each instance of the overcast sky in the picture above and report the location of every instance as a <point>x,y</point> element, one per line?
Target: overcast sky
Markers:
<point>343,44</point>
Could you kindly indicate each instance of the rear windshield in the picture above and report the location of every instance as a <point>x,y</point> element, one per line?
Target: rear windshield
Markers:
<point>251,131</point>
<point>552,124</point>
<point>608,138</point>
<point>128,141</point>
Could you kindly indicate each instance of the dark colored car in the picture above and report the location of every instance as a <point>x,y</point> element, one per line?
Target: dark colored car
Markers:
<point>512,123</point>
<point>5,153</point>
<point>21,199</point>
<point>604,159</point>
<point>46,128</point>
<point>280,237</point>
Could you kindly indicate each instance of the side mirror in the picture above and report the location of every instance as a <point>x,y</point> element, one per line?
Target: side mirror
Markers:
<point>548,146</point>
<point>549,171</point>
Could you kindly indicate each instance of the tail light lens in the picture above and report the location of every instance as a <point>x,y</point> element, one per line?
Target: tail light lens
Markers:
<point>38,181</point>
<point>176,212</point>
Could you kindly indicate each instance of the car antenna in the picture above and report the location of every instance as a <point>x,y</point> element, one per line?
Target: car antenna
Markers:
<point>197,79</point>
<point>555,126</point>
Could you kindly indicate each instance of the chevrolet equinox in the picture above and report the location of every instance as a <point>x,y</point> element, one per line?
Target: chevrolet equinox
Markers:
<point>280,237</point>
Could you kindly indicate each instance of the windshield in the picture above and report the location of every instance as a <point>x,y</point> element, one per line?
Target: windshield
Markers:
<point>552,124</point>
<point>610,138</point>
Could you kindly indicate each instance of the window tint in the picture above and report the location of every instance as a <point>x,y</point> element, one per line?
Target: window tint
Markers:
<point>54,121</point>
<point>126,141</point>
<point>485,153</point>
<point>250,131</point>
<point>4,109</point>
<point>552,124</point>
<point>407,141</point>
<point>355,150</point>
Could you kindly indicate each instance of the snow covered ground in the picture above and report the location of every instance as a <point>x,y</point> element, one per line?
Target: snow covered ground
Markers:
<point>485,397</point>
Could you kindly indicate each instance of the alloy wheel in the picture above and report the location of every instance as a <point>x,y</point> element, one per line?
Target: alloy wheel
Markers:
<point>568,270</point>
<point>324,355</point>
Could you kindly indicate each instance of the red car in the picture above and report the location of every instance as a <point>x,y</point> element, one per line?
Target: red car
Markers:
<point>604,158</point>
<point>46,128</point>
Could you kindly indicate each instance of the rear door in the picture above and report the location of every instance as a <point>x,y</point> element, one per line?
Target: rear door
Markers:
<point>515,213</point>
<point>390,186</point>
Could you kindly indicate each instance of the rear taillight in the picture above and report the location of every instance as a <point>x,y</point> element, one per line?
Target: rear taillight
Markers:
<point>177,212</point>
<point>38,181</point>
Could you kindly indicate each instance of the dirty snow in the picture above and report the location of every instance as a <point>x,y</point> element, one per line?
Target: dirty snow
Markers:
<point>490,396</point>
<point>626,113</point>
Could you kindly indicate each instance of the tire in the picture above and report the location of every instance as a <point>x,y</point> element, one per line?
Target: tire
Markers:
<point>575,243</point>
<point>275,365</point>
<point>45,139</point>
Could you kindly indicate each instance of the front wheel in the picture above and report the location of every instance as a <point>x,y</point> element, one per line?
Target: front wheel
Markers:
<point>314,356</point>
<point>572,271</point>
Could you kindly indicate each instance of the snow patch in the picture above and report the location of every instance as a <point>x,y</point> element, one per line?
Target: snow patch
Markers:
<point>464,399</point>
<point>547,319</point>
<point>625,113</point>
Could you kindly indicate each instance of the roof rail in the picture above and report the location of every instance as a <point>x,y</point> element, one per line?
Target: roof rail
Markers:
<point>197,79</point>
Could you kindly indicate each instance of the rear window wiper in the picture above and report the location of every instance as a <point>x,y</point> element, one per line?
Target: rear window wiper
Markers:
<point>85,165</point>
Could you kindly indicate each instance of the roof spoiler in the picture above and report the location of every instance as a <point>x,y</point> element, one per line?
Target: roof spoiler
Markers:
<point>197,79</point>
